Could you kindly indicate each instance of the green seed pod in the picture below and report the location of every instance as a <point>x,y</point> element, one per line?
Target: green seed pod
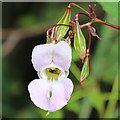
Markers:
<point>79,41</point>
<point>85,70</point>
<point>61,31</point>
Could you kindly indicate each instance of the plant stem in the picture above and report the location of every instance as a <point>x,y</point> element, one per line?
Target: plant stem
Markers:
<point>112,99</point>
<point>75,71</point>
<point>48,32</point>
<point>105,23</point>
<point>85,25</point>
<point>52,34</point>
<point>78,7</point>
<point>76,16</point>
<point>89,41</point>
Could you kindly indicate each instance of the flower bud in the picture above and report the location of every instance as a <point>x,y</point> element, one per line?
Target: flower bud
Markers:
<point>93,32</point>
<point>85,70</point>
<point>61,31</point>
<point>79,41</point>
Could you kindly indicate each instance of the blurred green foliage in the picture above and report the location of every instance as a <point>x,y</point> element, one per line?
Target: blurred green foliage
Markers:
<point>96,97</point>
<point>26,21</point>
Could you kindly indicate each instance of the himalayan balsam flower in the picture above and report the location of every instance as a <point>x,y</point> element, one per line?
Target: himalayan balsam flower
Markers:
<point>53,89</point>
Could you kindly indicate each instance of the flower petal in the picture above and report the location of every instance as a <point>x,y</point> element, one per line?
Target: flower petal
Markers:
<point>59,54</point>
<point>42,56</point>
<point>58,96</point>
<point>62,55</point>
<point>40,89</point>
<point>68,86</point>
<point>61,92</point>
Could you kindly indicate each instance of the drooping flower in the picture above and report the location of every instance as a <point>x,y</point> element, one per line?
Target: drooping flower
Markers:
<point>53,89</point>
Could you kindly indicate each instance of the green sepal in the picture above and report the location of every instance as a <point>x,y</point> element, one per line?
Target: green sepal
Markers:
<point>79,41</point>
<point>85,70</point>
<point>68,40</point>
<point>61,31</point>
<point>47,40</point>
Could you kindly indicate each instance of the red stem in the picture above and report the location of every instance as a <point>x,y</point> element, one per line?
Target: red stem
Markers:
<point>86,24</point>
<point>87,53</point>
<point>78,7</point>
<point>76,16</point>
<point>89,40</point>
<point>52,34</point>
<point>100,21</point>
<point>48,32</point>
<point>63,25</point>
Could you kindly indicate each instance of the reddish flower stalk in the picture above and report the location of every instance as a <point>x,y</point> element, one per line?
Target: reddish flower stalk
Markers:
<point>100,21</point>
<point>78,7</point>
<point>52,34</point>
<point>86,24</point>
<point>62,25</point>
<point>76,16</point>
<point>69,40</point>
<point>87,53</point>
<point>92,11</point>
<point>90,15</point>
<point>48,31</point>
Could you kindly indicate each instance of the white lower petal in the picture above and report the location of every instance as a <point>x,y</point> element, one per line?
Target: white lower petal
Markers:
<point>61,89</point>
<point>68,87</point>
<point>38,90</point>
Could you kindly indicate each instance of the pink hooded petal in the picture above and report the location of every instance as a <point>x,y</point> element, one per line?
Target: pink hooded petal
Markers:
<point>42,56</point>
<point>59,54</point>
<point>62,55</point>
<point>61,91</point>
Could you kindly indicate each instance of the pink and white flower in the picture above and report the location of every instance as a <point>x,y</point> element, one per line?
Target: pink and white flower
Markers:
<point>53,89</point>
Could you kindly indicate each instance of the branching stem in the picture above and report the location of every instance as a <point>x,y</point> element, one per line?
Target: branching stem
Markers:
<point>105,23</point>
<point>78,7</point>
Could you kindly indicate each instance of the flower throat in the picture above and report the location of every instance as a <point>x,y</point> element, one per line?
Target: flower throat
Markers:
<point>53,73</point>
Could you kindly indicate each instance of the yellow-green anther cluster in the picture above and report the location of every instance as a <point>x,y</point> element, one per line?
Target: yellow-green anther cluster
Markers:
<point>53,73</point>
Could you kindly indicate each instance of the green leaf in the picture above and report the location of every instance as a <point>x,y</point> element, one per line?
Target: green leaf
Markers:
<point>79,41</point>
<point>112,99</point>
<point>106,56</point>
<point>96,99</point>
<point>26,20</point>
<point>85,108</point>
<point>111,8</point>
<point>111,62</point>
<point>56,114</point>
<point>75,70</point>
<point>74,106</point>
